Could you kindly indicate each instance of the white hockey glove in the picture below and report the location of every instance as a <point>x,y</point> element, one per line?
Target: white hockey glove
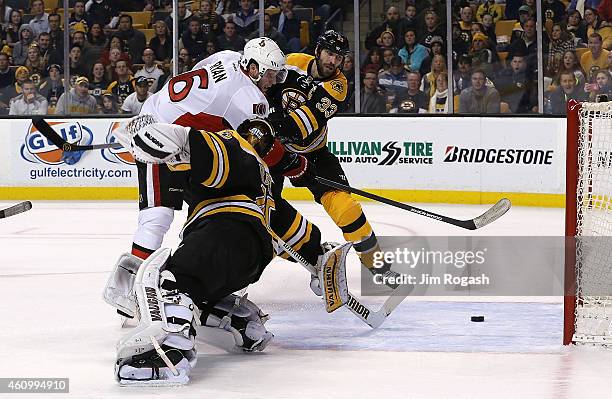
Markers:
<point>152,142</point>
<point>161,349</point>
<point>118,291</point>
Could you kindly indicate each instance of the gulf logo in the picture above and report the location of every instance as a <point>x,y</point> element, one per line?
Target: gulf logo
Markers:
<point>116,155</point>
<point>37,149</point>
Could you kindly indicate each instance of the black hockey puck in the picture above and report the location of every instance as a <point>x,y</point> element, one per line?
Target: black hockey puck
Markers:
<point>477,318</point>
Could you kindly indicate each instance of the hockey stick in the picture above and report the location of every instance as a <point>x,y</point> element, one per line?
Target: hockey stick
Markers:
<point>46,130</point>
<point>15,209</point>
<point>372,318</point>
<point>492,214</point>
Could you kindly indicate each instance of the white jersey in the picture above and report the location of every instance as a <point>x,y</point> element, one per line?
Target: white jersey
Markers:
<point>215,95</point>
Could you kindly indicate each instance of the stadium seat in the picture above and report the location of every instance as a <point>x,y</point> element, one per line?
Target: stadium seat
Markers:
<point>504,27</point>
<point>304,33</point>
<point>149,34</point>
<point>140,19</point>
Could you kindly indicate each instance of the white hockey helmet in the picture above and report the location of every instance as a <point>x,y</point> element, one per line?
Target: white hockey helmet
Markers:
<point>266,53</point>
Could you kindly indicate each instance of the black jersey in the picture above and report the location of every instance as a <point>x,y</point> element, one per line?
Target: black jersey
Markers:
<point>228,178</point>
<point>307,104</point>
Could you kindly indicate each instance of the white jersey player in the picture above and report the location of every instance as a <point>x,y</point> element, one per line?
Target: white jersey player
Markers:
<point>220,92</point>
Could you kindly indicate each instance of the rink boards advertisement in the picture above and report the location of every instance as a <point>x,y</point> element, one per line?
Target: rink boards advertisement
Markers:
<point>447,159</point>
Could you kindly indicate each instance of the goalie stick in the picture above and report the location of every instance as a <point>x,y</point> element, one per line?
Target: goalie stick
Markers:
<point>492,214</point>
<point>46,130</point>
<point>372,318</point>
<point>15,209</point>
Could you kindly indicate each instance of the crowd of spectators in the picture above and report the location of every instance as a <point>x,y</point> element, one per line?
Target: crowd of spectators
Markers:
<point>121,52</point>
<point>116,46</point>
<point>494,56</point>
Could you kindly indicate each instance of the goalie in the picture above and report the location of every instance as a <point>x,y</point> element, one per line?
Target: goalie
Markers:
<point>226,245</point>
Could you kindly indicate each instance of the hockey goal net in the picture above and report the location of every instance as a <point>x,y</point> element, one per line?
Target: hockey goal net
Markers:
<point>588,274</point>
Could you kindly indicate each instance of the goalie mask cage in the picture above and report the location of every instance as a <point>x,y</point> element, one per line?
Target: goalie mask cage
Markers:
<point>588,212</point>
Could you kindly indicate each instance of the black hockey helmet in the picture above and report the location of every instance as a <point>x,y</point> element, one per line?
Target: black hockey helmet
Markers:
<point>333,41</point>
<point>258,133</point>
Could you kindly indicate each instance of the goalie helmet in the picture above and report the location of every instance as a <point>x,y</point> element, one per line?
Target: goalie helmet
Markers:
<point>267,55</point>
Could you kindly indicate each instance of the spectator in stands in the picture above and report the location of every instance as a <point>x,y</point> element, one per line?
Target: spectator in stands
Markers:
<point>20,51</point>
<point>567,90</point>
<point>348,68</point>
<point>583,5</point>
<point>12,29</point>
<point>467,18</point>
<point>184,18</point>
<point>229,40</point>
<point>77,101</point>
<point>185,61</point>
<point>226,7</point>
<point>5,14</point>
<point>393,81</point>
<point>123,86</point>
<point>372,102</point>
<point>194,39</point>
<point>388,55</point>
<point>409,19</point>
<point>560,42</point>
<point>56,33</point>
<point>9,92</point>
<point>411,100</point>
<point>482,57</point>
<point>479,98</point>
<point>412,53</point>
<point>52,86</point>
<point>424,5</point>
<point>211,48</point>
<point>109,104</point>
<point>373,61</point>
<point>553,10</point>
<point>77,64</point>
<point>391,23</point>
<point>133,103</point>
<point>516,86</point>
<point>605,11</point>
<point>488,27</point>
<point>78,15</point>
<point>462,41</point>
<point>246,18</point>
<point>150,71</point>
<point>601,84</point>
<point>463,75</point>
<point>96,41</point>
<point>431,29</point>
<point>212,23</point>
<point>490,7</point>
<point>78,37</point>
<point>438,103</point>
<point>40,22</point>
<point>105,12</point>
<point>134,39</point>
<point>97,81</point>
<point>7,75</point>
<point>610,61</point>
<point>435,48</point>
<point>576,27</point>
<point>428,83</point>
<point>288,24</point>
<point>271,32</point>
<point>524,15</point>
<point>570,64</point>
<point>34,62</point>
<point>594,59</point>
<point>526,45</point>
<point>161,43</point>
<point>387,40</point>
<point>29,102</point>
<point>49,55</point>
<point>596,25</point>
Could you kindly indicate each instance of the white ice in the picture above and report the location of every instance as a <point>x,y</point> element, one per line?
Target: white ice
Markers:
<point>54,262</point>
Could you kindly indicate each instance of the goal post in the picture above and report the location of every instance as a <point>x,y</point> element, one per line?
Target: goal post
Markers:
<point>588,217</point>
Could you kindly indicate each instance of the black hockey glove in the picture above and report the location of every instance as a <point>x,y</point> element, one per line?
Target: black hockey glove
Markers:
<point>300,171</point>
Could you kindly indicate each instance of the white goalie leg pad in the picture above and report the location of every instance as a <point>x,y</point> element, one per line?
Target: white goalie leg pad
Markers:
<point>234,324</point>
<point>332,276</point>
<point>119,286</point>
<point>161,349</point>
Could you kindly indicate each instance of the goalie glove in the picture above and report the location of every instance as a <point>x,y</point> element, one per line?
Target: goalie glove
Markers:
<point>151,142</point>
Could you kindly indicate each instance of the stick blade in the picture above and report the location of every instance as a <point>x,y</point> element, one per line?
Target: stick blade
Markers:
<point>492,214</point>
<point>16,209</point>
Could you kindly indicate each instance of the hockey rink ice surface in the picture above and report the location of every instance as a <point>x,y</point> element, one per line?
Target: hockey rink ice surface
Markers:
<point>55,259</point>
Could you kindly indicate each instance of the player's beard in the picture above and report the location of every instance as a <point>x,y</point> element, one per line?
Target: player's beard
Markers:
<point>325,70</point>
